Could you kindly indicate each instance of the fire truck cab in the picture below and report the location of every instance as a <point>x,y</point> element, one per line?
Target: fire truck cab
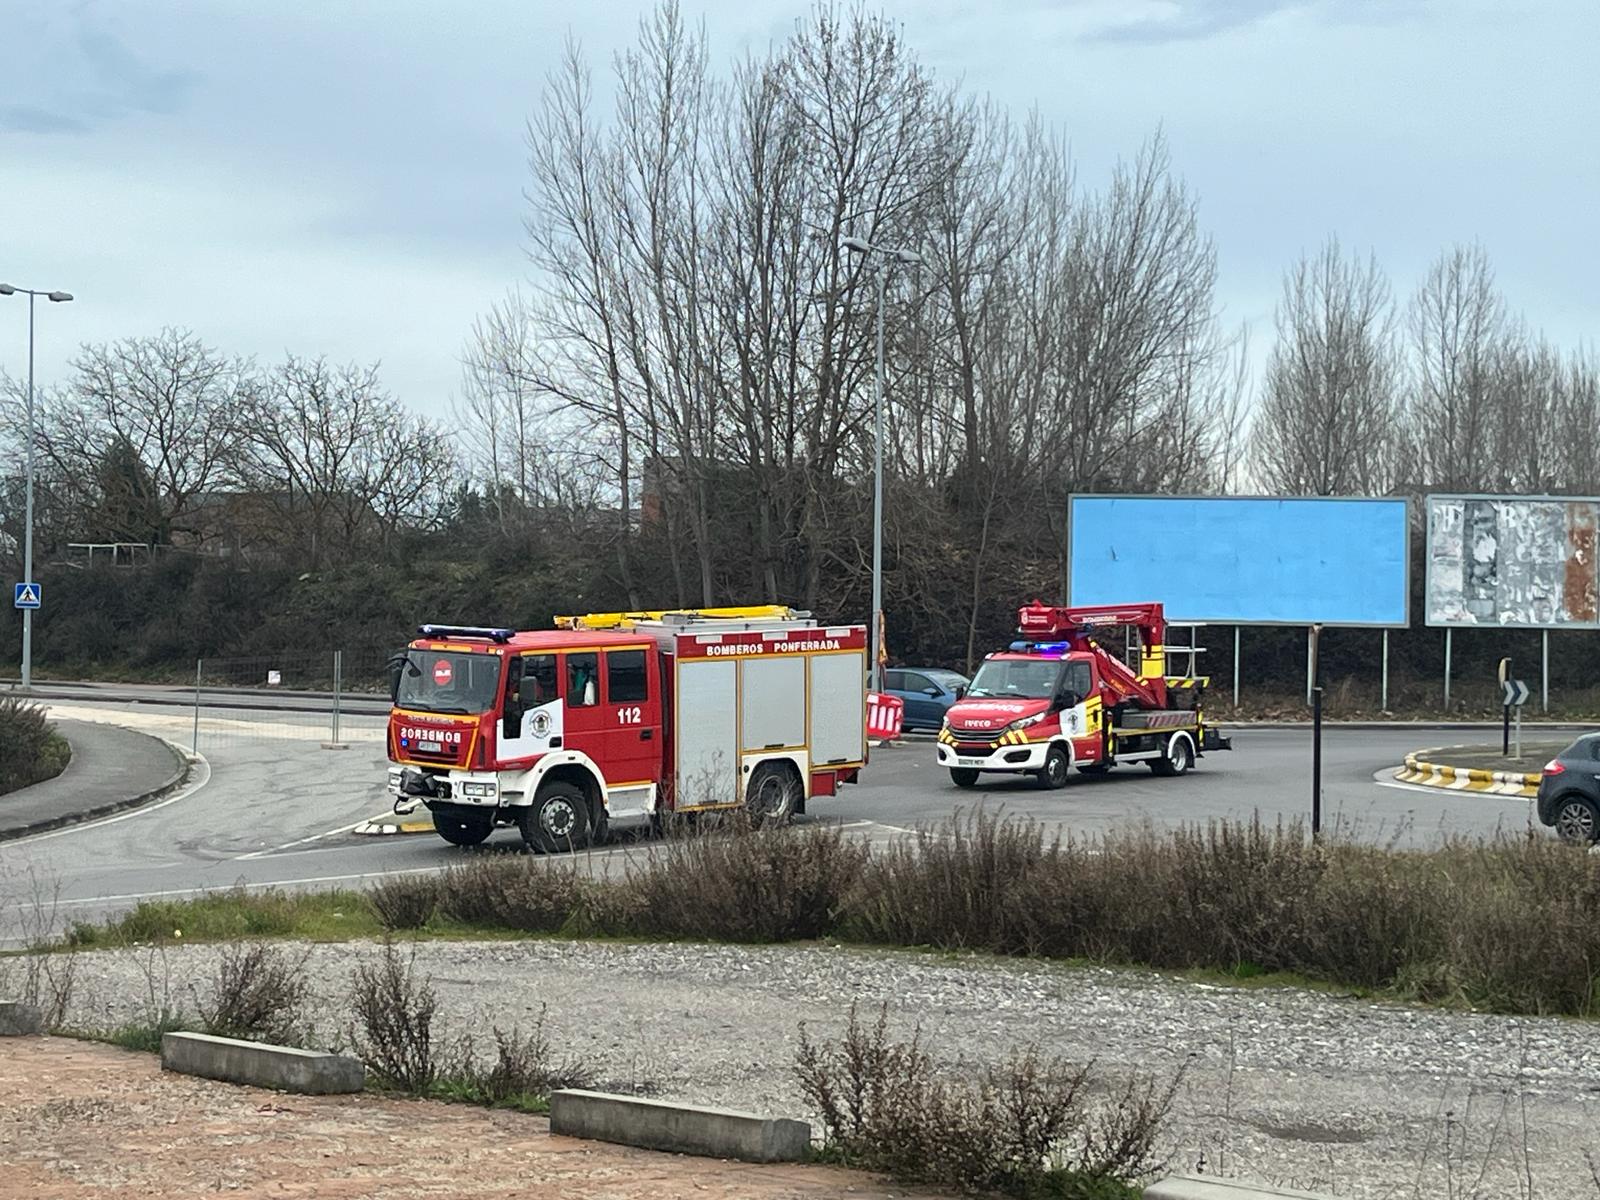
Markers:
<point>613,716</point>
<point>1057,699</point>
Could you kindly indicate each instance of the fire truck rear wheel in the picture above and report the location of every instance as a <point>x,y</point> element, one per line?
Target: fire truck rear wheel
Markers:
<point>462,831</point>
<point>557,821</point>
<point>1178,758</point>
<point>773,795</point>
<point>1057,766</point>
<point>963,777</point>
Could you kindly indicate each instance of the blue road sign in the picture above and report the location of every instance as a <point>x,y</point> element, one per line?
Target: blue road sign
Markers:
<point>28,595</point>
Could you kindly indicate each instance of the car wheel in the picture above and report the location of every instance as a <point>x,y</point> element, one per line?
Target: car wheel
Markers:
<point>1057,767</point>
<point>1577,821</point>
<point>558,820</point>
<point>963,777</point>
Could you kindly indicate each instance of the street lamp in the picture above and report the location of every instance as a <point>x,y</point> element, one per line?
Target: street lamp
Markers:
<point>27,536</point>
<point>863,247</point>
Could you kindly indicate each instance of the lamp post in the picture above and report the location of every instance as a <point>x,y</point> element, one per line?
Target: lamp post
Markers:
<point>910,257</point>
<point>7,289</point>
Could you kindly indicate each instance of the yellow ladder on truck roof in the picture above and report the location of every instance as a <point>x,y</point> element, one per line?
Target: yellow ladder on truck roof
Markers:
<point>626,620</point>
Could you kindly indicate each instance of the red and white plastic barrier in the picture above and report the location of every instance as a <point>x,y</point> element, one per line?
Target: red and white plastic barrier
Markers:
<point>885,715</point>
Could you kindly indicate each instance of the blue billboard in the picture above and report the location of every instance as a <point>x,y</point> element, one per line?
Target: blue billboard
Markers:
<point>1230,560</point>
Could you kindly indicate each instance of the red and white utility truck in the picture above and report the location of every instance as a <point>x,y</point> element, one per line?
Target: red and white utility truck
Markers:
<point>1057,699</point>
<point>613,716</point>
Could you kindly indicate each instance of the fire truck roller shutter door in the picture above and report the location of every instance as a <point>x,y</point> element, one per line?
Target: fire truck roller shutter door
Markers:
<point>773,708</point>
<point>838,708</point>
<point>707,727</point>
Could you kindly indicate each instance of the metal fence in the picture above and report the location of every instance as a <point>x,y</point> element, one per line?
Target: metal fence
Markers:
<point>312,698</point>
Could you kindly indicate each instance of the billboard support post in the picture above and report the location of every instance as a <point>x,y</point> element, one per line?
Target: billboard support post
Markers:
<point>1544,675</point>
<point>1316,764</point>
<point>1383,702</point>
<point>1236,666</point>
<point>1447,634</point>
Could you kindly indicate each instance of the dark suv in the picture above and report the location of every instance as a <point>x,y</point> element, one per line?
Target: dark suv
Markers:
<point>1569,792</point>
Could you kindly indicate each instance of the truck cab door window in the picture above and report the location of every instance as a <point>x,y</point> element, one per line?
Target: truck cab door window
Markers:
<point>1076,683</point>
<point>583,680</point>
<point>538,679</point>
<point>626,681</point>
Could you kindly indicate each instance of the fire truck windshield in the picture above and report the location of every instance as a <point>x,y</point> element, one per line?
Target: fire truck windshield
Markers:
<point>448,681</point>
<point>1027,679</point>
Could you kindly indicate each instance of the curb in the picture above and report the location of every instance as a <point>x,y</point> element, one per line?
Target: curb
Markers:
<point>46,824</point>
<point>391,823</point>
<point>1421,770</point>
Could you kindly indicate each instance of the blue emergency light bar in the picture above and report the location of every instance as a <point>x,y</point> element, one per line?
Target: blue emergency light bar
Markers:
<point>1045,648</point>
<point>498,636</point>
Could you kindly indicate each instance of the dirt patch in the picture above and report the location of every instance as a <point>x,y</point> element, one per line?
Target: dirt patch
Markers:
<point>78,1118</point>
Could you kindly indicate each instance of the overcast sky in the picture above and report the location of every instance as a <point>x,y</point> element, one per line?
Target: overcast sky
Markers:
<point>346,178</point>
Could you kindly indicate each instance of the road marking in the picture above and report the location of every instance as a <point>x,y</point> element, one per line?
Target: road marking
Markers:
<point>198,764</point>
<point>1383,779</point>
<point>315,837</point>
<point>242,885</point>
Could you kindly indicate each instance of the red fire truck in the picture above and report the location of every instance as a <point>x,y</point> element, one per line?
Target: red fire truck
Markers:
<point>1058,699</point>
<point>615,716</point>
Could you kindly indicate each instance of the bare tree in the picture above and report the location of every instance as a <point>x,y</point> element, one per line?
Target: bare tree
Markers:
<point>1457,323</point>
<point>337,462</point>
<point>1330,406</point>
<point>163,409</point>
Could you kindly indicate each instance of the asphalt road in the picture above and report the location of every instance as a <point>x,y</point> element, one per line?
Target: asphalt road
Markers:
<point>270,806</point>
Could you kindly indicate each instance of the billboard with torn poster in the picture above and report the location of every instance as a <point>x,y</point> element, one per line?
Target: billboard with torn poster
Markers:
<point>1518,562</point>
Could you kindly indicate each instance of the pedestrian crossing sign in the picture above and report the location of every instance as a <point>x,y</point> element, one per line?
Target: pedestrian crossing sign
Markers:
<point>28,595</point>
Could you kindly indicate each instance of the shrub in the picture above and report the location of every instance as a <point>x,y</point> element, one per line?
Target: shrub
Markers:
<point>34,750</point>
<point>1025,1127</point>
<point>525,1070</point>
<point>737,883</point>
<point>393,1028</point>
<point>257,993</point>
<point>529,895</point>
<point>404,901</point>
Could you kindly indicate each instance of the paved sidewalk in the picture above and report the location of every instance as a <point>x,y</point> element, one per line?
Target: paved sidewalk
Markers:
<point>78,1119</point>
<point>111,768</point>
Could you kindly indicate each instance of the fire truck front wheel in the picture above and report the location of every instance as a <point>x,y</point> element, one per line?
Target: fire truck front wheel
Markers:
<point>963,777</point>
<point>557,821</point>
<point>1057,767</point>
<point>461,830</point>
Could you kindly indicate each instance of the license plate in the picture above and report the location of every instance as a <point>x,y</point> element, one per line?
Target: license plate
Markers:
<point>969,762</point>
<point>429,747</point>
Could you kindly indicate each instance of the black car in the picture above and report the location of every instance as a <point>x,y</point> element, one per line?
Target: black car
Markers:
<point>1569,792</point>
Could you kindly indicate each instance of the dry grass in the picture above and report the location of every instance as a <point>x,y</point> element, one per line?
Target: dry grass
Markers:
<point>1026,1127</point>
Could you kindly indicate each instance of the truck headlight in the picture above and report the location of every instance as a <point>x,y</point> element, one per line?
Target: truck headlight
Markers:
<point>1024,722</point>
<point>482,791</point>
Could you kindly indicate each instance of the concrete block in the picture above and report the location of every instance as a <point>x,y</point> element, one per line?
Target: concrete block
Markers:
<point>281,1067</point>
<point>20,1020</point>
<point>1209,1187</point>
<point>679,1128</point>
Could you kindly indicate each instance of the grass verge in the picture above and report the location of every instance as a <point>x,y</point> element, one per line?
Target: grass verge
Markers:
<point>1506,925</point>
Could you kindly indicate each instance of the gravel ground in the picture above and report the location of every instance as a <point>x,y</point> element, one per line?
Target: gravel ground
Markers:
<point>1291,1087</point>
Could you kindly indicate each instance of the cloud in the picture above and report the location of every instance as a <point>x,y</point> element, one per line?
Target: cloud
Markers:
<point>130,83</point>
<point>1193,20</point>
<point>22,118</point>
<point>93,77</point>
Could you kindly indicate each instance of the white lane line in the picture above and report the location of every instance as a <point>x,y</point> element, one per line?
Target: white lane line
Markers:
<point>266,883</point>
<point>315,837</point>
<point>199,765</point>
